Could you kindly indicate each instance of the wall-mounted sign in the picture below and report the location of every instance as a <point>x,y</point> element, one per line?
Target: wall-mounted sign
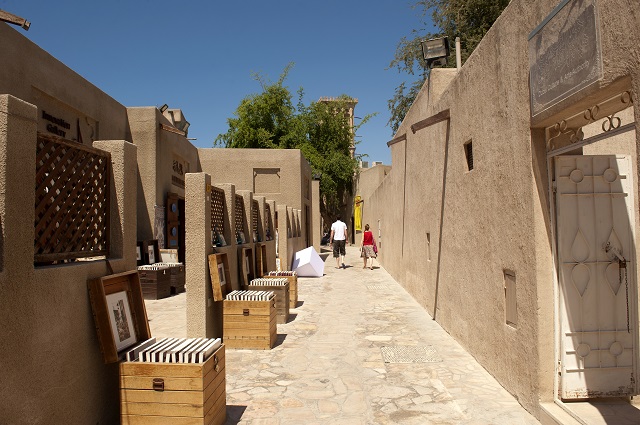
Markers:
<point>179,168</point>
<point>564,53</point>
<point>56,125</point>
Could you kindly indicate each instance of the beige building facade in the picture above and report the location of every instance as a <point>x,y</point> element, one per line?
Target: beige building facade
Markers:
<point>511,211</point>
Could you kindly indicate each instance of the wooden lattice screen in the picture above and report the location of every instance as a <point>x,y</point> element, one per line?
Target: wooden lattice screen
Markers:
<point>239,215</point>
<point>72,201</point>
<point>255,213</point>
<point>267,221</point>
<point>217,210</point>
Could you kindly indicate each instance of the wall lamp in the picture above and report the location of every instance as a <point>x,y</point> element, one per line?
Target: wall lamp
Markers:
<point>435,51</point>
<point>15,20</point>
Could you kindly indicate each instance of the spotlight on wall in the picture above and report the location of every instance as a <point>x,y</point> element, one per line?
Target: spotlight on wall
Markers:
<point>435,51</point>
<point>15,20</point>
<point>164,107</point>
<point>184,126</point>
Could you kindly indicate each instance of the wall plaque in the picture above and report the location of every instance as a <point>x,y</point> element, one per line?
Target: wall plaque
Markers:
<point>179,168</point>
<point>564,53</point>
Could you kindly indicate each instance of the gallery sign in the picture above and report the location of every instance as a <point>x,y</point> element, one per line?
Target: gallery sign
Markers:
<point>564,53</point>
<point>179,168</point>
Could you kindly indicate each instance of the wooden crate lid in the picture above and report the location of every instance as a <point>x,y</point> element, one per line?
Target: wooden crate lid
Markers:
<point>220,275</point>
<point>123,292</point>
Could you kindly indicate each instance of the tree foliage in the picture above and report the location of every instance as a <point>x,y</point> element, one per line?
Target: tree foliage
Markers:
<point>468,19</point>
<point>321,130</point>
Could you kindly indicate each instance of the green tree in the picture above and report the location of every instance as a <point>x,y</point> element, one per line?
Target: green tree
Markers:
<point>468,19</point>
<point>321,130</point>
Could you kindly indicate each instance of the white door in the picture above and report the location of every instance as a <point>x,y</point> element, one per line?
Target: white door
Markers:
<point>597,309</point>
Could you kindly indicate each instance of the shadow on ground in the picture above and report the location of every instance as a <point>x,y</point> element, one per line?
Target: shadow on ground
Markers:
<point>280,339</point>
<point>234,414</point>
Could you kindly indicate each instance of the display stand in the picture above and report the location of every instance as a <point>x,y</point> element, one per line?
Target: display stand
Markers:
<point>293,284</point>
<point>246,324</point>
<point>153,393</point>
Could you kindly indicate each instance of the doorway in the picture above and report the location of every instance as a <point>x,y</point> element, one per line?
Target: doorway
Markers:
<point>593,185</point>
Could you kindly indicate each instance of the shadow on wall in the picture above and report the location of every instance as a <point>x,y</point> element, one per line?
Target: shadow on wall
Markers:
<point>115,232</point>
<point>1,246</point>
<point>144,226</point>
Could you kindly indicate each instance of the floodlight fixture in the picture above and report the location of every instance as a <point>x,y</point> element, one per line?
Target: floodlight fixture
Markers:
<point>435,51</point>
<point>185,126</point>
<point>164,108</point>
<point>15,20</point>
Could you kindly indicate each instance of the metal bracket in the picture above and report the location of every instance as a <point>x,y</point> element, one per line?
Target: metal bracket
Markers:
<point>158,384</point>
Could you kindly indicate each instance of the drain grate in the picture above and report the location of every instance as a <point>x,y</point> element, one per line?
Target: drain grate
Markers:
<point>410,354</point>
<point>377,287</point>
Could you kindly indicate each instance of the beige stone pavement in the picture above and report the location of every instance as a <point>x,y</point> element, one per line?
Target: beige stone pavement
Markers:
<point>328,367</point>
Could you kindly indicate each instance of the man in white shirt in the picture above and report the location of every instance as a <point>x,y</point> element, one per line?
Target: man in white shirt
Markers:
<point>339,238</point>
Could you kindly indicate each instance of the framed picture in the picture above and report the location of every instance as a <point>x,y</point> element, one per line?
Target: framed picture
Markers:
<point>246,261</point>
<point>124,333</point>
<point>152,254</point>
<point>220,277</point>
<point>119,313</point>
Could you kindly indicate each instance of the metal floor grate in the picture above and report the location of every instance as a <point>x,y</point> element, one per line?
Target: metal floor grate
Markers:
<point>410,354</point>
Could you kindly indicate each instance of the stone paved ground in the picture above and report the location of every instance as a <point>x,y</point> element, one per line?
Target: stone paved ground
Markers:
<point>328,368</point>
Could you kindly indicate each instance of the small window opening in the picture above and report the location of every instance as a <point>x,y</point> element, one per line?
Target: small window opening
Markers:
<point>428,246</point>
<point>511,307</point>
<point>468,153</point>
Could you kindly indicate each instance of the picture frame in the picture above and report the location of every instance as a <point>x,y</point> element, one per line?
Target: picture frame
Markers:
<point>124,333</point>
<point>220,275</point>
<point>261,259</point>
<point>152,254</point>
<point>140,257</point>
<point>246,261</point>
<point>125,289</point>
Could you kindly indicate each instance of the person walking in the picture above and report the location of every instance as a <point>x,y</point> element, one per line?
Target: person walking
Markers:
<point>367,246</point>
<point>339,238</point>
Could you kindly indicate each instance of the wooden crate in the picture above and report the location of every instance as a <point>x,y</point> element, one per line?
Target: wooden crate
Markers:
<point>293,288</point>
<point>282,299</point>
<point>184,393</point>
<point>249,324</point>
<point>172,393</point>
<point>156,284</point>
<point>177,276</point>
<point>177,279</point>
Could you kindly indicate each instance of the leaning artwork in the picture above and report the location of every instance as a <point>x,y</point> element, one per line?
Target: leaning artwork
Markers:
<point>120,319</point>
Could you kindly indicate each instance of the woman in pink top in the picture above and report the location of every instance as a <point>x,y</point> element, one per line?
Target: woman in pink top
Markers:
<point>366,247</point>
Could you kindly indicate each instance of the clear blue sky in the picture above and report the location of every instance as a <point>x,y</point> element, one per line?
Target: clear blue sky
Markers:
<point>199,55</point>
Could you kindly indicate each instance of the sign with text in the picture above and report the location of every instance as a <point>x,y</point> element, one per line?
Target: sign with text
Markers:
<point>564,54</point>
<point>179,168</point>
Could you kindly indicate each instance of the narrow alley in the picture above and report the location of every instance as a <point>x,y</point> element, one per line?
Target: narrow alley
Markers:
<point>356,350</point>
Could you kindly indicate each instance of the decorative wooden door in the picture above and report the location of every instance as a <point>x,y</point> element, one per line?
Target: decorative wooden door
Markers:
<point>596,256</point>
